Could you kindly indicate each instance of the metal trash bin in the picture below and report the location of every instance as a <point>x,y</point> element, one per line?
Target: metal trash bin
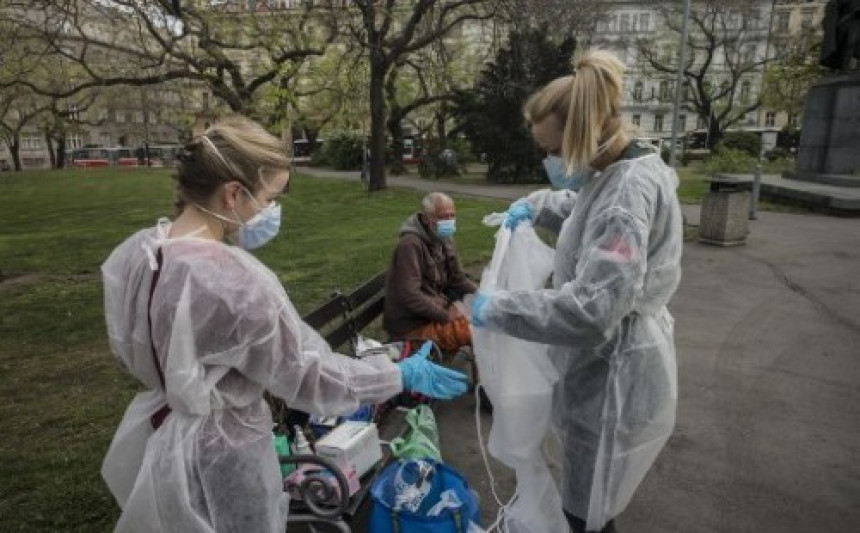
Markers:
<point>725,212</point>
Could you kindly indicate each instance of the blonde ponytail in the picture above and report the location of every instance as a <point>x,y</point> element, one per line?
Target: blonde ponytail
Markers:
<point>587,104</point>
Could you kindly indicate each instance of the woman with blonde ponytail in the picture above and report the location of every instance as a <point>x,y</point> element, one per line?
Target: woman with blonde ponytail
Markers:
<point>617,266</point>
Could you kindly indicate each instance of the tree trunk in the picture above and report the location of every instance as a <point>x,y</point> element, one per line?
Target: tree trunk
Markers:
<point>395,128</point>
<point>377,121</point>
<point>715,132</point>
<point>441,134</point>
<point>15,150</point>
<point>51,153</point>
<point>61,151</point>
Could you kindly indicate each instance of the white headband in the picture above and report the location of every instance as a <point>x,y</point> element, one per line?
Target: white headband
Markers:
<point>217,151</point>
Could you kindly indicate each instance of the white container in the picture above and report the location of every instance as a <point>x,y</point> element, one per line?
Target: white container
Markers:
<point>355,444</point>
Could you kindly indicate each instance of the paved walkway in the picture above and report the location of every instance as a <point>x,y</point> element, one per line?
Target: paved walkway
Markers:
<point>768,429</point>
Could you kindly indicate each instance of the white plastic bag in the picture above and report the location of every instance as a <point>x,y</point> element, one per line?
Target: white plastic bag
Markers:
<point>518,378</point>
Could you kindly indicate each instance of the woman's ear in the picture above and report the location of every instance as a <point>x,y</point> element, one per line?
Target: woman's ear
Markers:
<point>229,194</point>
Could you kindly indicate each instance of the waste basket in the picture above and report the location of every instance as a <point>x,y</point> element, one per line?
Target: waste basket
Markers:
<point>725,212</point>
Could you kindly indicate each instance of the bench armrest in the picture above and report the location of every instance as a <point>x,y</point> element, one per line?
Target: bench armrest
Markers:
<point>316,492</point>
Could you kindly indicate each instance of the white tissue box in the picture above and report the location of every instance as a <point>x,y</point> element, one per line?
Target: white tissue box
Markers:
<point>354,444</point>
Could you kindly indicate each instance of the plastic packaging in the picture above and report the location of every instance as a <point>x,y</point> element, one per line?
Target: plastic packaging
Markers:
<point>282,448</point>
<point>301,446</point>
<point>412,483</point>
<point>421,439</point>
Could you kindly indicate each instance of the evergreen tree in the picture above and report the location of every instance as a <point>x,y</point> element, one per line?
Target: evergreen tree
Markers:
<point>490,114</point>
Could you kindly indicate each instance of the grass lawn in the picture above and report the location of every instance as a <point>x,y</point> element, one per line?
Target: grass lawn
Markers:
<point>63,396</point>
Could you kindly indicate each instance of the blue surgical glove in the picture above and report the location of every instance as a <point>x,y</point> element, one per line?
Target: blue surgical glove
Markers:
<point>517,212</point>
<point>430,379</point>
<point>478,304</point>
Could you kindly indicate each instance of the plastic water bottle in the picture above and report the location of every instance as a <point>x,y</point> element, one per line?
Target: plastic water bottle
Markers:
<point>301,446</point>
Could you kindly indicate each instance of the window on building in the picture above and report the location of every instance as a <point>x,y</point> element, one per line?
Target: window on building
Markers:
<point>783,19</point>
<point>74,113</point>
<point>610,23</point>
<point>644,22</point>
<point>685,91</point>
<point>152,117</point>
<point>702,123</point>
<point>752,19</point>
<point>665,91</point>
<point>138,116</point>
<point>770,119</point>
<point>104,140</point>
<point>749,54</point>
<point>637,91</point>
<point>746,87</point>
<point>120,116</point>
<point>658,122</point>
<point>682,123</point>
<point>624,22</point>
<point>31,141</point>
<point>104,114</point>
<point>74,141</point>
<point>636,120</point>
<point>806,18</point>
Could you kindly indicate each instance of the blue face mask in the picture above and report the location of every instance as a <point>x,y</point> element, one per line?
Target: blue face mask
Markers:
<point>554,166</point>
<point>446,228</point>
<point>261,228</point>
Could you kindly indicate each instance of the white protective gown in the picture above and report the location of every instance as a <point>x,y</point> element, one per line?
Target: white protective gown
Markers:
<point>617,265</point>
<point>224,331</point>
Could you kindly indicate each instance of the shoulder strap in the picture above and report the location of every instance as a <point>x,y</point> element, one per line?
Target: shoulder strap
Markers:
<point>159,258</point>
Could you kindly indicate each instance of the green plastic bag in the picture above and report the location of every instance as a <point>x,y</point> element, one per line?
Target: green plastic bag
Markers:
<point>421,439</point>
<point>282,447</point>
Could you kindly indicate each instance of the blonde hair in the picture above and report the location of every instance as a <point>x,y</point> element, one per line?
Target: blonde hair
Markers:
<point>234,149</point>
<point>588,104</point>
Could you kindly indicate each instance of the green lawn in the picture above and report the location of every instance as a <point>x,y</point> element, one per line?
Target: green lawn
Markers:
<point>63,396</point>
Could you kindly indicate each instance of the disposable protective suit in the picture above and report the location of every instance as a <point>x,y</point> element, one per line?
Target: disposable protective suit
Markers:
<point>617,265</point>
<point>223,331</point>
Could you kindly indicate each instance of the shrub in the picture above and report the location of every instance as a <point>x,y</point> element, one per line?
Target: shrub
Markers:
<point>745,141</point>
<point>343,150</point>
<point>730,160</point>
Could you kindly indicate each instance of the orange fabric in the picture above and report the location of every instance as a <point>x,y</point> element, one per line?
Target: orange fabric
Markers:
<point>449,336</point>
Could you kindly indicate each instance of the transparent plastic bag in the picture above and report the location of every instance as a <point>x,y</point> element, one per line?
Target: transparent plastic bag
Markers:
<point>518,377</point>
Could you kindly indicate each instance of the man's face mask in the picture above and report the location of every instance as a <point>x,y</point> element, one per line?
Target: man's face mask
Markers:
<point>554,166</point>
<point>445,229</point>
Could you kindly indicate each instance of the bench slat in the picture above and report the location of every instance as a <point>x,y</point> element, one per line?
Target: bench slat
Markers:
<point>327,312</point>
<point>367,291</point>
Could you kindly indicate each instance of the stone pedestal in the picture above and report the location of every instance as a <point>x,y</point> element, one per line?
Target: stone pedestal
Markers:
<point>724,220</point>
<point>830,138</point>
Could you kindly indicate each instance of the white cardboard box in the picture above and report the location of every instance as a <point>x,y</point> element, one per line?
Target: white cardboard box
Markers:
<point>352,443</point>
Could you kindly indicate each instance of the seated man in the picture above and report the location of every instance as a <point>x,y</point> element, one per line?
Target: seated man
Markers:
<point>425,279</point>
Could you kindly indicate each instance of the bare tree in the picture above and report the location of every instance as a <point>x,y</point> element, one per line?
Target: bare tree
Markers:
<point>560,19</point>
<point>233,48</point>
<point>726,51</point>
<point>389,31</point>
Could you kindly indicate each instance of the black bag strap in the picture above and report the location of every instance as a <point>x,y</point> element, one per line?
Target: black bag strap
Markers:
<point>158,417</point>
<point>159,258</point>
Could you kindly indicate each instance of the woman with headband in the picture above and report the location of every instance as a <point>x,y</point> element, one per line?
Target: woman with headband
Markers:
<point>207,328</point>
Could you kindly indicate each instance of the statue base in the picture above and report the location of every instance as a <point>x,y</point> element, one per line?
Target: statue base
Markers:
<point>830,137</point>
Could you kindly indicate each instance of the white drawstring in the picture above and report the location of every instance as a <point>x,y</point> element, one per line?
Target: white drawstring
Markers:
<point>501,523</point>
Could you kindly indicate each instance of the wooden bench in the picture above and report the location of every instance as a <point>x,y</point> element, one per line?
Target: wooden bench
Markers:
<point>340,320</point>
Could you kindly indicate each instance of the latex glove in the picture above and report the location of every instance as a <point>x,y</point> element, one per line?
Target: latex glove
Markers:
<point>478,304</point>
<point>517,212</point>
<point>430,379</point>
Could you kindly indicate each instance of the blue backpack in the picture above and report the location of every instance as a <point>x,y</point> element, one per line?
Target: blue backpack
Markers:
<point>385,519</point>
